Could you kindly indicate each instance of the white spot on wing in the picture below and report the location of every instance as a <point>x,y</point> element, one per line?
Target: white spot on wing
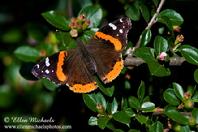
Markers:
<point>47,71</point>
<point>47,63</point>
<point>112,26</point>
<point>121,31</point>
<point>121,20</point>
<point>37,65</point>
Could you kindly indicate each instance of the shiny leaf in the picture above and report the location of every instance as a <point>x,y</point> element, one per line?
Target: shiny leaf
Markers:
<point>56,20</point>
<point>93,13</point>
<point>170,97</point>
<point>189,53</point>
<point>160,44</point>
<point>178,91</point>
<point>27,54</point>
<point>145,37</point>
<point>176,116</point>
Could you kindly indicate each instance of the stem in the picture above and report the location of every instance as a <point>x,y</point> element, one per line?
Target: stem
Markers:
<point>152,21</point>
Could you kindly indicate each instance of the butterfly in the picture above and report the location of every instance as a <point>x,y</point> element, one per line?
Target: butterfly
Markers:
<point>101,56</point>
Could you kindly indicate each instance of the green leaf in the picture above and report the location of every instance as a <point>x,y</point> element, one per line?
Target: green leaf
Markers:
<point>7,97</point>
<point>142,119</point>
<point>155,68</point>
<point>101,100</point>
<point>27,54</point>
<point>174,17</point>
<point>189,53</point>
<point>102,121</point>
<point>134,130</point>
<point>160,44</point>
<point>145,12</point>
<point>89,100</point>
<point>127,84</point>
<point>141,91</point>
<point>176,116</point>
<point>108,91</point>
<point>196,75</point>
<point>93,13</point>
<point>134,102</point>
<point>178,91</point>
<point>114,106</point>
<point>145,37</point>
<point>145,53</point>
<point>56,20</point>
<point>122,117</point>
<point>156,127</point>
<point>148,106</point>
<point>66,41</point>
<point>132,12</point>
<point>49,84</point>
<point>93,121</point>
<point>87,35</point>
<point>170,97</point>
<point>195,97</point>
<point>129,112</point>
<point>124,103</point>
<point>195,114</point>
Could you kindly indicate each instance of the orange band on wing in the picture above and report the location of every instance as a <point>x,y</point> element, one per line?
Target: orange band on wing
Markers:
<point>80,88</point>
<point>59,70</point>
<point>115,72</point>
<point>117,44</point>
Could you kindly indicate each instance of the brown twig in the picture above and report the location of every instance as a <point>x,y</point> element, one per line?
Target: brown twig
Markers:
<point>131,61</point>
<point>152,21</point>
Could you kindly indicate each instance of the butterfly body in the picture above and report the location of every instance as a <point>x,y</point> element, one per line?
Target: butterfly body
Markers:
<point>102,56</point>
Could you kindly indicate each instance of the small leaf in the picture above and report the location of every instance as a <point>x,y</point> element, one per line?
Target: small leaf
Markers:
<point>93,121</point>
<point>145,37</point>
<point>173,114</point>
<point>196,75</point>
<point>195,114</point>
<point>122,117</point>
<point>129,112</point>
<point>145,12</point>
<point>141,91</point>
<point>93,13</point>
<point>195,97</point>
<point>174,17</point>
<point>27,54</point>
<point>156,127</point>
<point>132,12</point>
<point>108,91</point>
<point>178,91</point>
<point>142,119</point>
<point>170,97</point>
<point>49,84</point>
<point>134,130</point>
<point>189,53</point>
<point>101,100</point>
<point>114,106</point>
<point>134,102</point>
<point>160,44</point>
<point>56,20</point>
<point>148,56</point>
<point>89,100</point>
<point>102,121</point>
<point>148,106</point>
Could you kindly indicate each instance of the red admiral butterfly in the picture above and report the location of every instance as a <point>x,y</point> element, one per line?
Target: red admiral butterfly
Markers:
<point>101,56</point>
